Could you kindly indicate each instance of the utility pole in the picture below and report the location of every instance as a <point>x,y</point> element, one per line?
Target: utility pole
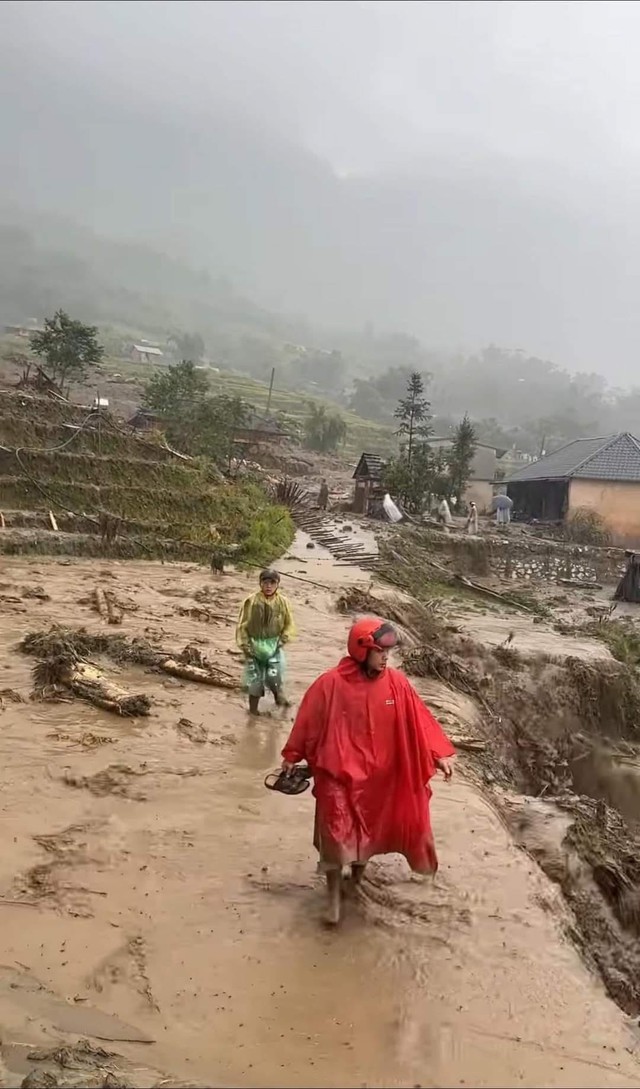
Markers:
<point>273,374</point>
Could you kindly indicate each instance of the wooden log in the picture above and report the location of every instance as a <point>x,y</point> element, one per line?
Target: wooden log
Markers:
<point>2,521</point>
<point>479,589</point>
<point>100,602</point>
<point>52,519</point>
<point>201,674</point>
<point>89,683</point>
<point>468,744</point>
<point>114,610</point>
<point>580,585</point>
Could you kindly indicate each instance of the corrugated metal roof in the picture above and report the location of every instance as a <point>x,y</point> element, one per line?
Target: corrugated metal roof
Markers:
<point>146,349</point>
<point>615,457</point>
<point>370,465</point>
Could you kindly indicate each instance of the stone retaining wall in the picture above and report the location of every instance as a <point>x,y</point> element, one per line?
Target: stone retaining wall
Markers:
<point>520,557</point>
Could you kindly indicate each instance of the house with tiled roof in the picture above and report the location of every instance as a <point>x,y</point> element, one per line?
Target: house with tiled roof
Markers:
<point>600,474</point>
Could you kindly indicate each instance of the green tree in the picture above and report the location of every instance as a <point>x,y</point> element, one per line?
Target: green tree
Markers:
<point>68,348</point>
<point>208,428</point>
<point>169,391</point>
<point>460,456</point>
<point>323,431</point>
<point>413,483</point>
<point>413,412</point>
<point>194,422</point>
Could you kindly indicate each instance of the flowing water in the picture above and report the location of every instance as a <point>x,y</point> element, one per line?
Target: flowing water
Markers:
<point>176,900</point>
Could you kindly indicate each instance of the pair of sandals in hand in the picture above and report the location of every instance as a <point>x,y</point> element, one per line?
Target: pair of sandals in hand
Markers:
<point>294,781</point>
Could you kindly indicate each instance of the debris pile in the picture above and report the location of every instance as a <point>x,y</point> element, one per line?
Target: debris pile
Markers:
<point>63,666</point>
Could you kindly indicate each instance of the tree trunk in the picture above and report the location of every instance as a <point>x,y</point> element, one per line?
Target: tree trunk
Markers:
<point>86,681</point>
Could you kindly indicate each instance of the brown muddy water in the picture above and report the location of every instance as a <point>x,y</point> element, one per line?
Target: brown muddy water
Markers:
<point>179,905</point>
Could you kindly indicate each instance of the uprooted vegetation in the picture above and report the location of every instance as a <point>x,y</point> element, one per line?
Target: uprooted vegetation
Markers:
<point>63,667</point>
<point>565,735</point>
<point>430,565</point>
<point>112,491</point>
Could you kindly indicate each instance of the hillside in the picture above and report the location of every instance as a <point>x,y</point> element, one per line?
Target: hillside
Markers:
<point>361,434</point>
<point>111,491</point>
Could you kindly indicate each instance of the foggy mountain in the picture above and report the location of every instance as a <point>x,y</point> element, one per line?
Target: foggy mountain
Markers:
<point>457,244</point>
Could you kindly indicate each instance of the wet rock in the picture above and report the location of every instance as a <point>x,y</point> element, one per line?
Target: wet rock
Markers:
<point>193,731</point>
<point>115,779</point>
<point>39,1079</point>
<point>37,592</point>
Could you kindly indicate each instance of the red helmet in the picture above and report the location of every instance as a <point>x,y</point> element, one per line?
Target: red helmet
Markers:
<point>367,634</point>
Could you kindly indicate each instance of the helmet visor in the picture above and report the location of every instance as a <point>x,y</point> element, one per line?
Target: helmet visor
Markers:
<point>385,637</point>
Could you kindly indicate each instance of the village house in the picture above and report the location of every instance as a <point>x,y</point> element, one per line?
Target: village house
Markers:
<point>368,482</point>
<point>484,471</point>
<point>144,420</point>
<point>146,353</point>
<point>601,474</point>
<point>258,430</point>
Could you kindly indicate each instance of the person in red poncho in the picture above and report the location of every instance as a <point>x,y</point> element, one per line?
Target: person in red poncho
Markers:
<point>372,746</point>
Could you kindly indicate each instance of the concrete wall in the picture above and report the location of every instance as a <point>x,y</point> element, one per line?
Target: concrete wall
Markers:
<point>484,464</point>
<point>483,471</point>
<point>617,502</point>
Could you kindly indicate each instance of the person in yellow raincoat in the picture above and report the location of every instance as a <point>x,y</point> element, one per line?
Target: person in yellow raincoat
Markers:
<point>265,625</point>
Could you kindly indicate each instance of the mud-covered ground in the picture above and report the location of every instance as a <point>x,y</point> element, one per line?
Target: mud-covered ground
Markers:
<point>169,907</point>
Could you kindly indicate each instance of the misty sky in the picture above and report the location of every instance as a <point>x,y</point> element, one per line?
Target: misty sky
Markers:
<point>525,114</point>
<point>371,85</point>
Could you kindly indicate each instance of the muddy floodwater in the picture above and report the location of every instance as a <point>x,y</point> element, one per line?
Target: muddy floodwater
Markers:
<point>172,909</point>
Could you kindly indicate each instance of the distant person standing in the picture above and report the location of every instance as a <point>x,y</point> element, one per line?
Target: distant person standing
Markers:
<point>503,506</point>
<point>444,514</point>
<point>472,518</point>
<point>323,496</point>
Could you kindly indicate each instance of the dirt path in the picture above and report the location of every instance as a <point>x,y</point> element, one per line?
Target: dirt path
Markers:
<point>180,903</point>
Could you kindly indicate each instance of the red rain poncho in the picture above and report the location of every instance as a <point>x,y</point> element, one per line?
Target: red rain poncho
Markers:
<point>372,746</point>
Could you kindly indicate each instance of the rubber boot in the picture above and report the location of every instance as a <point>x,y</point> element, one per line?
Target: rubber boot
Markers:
<point>254,702</point>
<point>334,891</point>
<point>357,872</point>
<point>281,699</point>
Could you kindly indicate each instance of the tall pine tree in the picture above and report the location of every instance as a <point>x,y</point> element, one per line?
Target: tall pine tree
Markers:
<point>414,414</point>
<point>460,456</point>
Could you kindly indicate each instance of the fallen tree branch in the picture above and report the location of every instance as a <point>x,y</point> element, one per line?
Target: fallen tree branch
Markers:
<point>478,588</point>
<point>203,674</point>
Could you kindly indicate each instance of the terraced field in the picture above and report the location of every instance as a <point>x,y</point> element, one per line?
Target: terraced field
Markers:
<point>109,489</point>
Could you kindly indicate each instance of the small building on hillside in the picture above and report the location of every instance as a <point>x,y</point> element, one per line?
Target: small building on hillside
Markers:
<point>146,353</point>
<point>484,471</point>
<point>258,430</point>
<point>144,420</point>
<point>368,482</point>
<point>601,474</point>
